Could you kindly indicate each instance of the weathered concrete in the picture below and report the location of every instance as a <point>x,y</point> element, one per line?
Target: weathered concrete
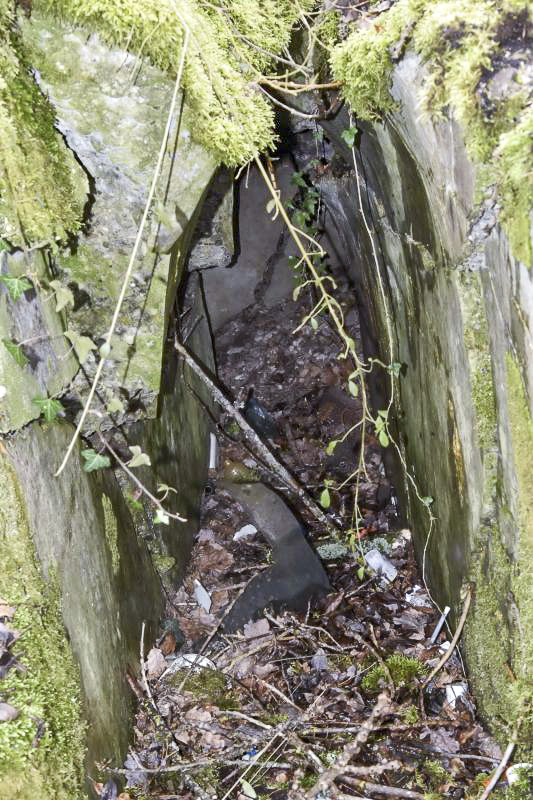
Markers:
<point>459,308</point>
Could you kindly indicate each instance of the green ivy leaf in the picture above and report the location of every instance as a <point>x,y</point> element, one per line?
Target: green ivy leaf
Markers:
<point>115,406</point>
<point>395,368</point>
<point>296,292</point>
<point>353,388</point>
<point>314,324</point>
<point>331,447</point>
<point>64,296</point>
<point>248,790</point>
<point>16,352</point>
<point>48,406</point>
<point>427,501</point>
<point>348,136</point>
<point>361,573</point>
<point>383,439</point>
<point>139,459</point>
<point>16,286</point>
<point>81,344</point>
<point>325,499</point>
<point>298,180</point>
<point>94,460</point>
<point>161,517</point>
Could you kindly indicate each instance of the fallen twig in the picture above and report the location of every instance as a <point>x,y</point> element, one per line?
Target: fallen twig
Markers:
<point>509,750</point>
<point>454,641</point>
<point>381,708</point>
<point>253,439</point>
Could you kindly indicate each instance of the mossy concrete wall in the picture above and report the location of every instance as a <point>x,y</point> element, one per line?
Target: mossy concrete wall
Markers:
<point>92,564</point>
<point>461,310</point>
<point>85,540</point>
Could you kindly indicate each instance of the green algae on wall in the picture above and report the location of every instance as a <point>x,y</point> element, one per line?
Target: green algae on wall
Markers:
<point>230,44</point>
<point>42,188</point>
<point>459,42</point>
<point>42,751</point>
<point>111,532</point>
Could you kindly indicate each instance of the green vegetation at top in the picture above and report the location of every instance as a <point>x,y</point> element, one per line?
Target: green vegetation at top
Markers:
<point>461,43</point>
<point>232,42</point>
<point>39,200</point>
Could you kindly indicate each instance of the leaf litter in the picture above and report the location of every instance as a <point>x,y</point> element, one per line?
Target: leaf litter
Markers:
<point>325,703</point>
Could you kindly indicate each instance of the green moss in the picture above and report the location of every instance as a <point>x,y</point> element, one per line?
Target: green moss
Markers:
<point>111,532</point>
<point>410,716</point>
<point>458,41</point>
<point>49,767</point>
<point>477,345</point>
<point>207,685</point>
<point>230,44</point>
<point>42,189</point>
<point>403,671</point>
<point>522,439</point>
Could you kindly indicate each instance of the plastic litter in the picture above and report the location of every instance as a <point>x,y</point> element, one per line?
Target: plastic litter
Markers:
<point>189,661</point>
<point>440,623</point>
<point>244,533</point>
<point>213,451</point>
<point>453,692</point>
<point>202,596</point>
<point>515,773</point>
<point>381,564</point>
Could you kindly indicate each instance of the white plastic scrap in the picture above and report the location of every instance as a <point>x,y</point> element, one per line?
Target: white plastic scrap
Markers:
<point>189,661</point>
<point>202,596</point>
<point>213,451</point>
<point>453,692</point>
<point>244,533</point>
<point>514,773</point>
<point>381,564</point>
<point>440,623</point>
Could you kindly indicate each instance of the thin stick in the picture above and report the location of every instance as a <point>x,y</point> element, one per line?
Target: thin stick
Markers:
<point>381,709</point>
<point>253,439</point>
<point>503,763</point>
<point>131,264</point>
<point>454,641</point>
<point>138,483</point>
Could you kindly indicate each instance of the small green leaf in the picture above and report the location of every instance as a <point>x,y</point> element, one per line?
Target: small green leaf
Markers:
<point>383,413</point>
<point>361,573</point>
<point>348,136</point>
<point>64,296</point>
<point>383,439</point>
<point>15,286</point>
<point>427,501</point>
<point>138,459</point>
<point>164,488</point>
<point>314,324</point>
<point>81,344</point>
<point>395,368</point>
<point>248,790</point>
<point>270,206</point>
<point>161,517</point>
<point>94,460</point>
<point>134,503</point>
<point>331,447</point>
<point>298,180</point>
<point>353,388</point>
<point>16,352</point>
<point>325,499</point>
<point>115,406</point>
<point>296,292</point>
<point>48,406</point>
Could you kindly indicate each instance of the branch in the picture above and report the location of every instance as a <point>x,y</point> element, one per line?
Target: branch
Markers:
<point>253,439</point>
<point>454,641</point>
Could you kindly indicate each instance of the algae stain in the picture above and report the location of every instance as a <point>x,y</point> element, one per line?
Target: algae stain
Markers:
<point>111,533</point>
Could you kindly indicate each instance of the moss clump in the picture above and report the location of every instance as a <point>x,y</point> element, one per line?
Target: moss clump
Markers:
<point>230,44</point>
<point>403,671</point>
<point>459,41</point>
<point>207,685</point>
<point>42,751</point>
<point>42,190</point>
